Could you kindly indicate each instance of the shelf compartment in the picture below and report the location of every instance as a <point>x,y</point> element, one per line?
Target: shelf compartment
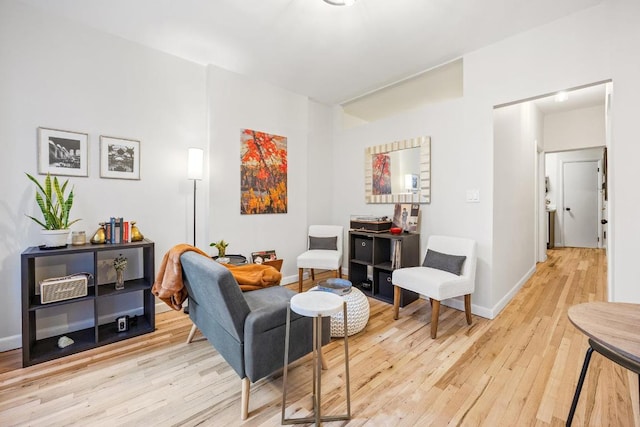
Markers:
<point>362,249</point>
<point>384,288</point>
<point>384,266</point>
<point>35,303</point>
<point>135,285</point>
<point>358,275</point>
<point>47,348</point>
<point>382,247</point>
<point>138,325</point>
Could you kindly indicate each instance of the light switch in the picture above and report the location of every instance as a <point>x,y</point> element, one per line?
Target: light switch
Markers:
<point>473,196</point>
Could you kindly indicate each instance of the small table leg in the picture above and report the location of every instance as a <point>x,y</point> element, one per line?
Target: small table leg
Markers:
<point>576,396</point>
<point>317,372</point>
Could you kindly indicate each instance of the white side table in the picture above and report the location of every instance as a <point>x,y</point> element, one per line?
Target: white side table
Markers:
<point>316,305</point>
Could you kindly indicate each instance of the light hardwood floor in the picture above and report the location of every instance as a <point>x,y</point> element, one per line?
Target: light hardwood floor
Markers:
<point>519,369</point>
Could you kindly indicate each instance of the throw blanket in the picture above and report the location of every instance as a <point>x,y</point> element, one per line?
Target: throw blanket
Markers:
<point>251,277</point>
<point>169,286</point>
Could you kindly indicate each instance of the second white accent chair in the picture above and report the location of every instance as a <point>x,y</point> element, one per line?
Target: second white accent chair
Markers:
<point>324,243</point>
<point>448,272</point>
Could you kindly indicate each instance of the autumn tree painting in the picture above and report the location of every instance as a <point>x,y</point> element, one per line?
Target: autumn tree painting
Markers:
<point>381,173</point>
<point>263,173</point>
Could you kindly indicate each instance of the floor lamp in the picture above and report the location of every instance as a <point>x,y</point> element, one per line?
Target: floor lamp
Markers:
<point>194,172</point>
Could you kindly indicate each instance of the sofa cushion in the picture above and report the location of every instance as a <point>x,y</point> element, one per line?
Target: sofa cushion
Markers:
<point>445,262</point>
<point>326,243</point>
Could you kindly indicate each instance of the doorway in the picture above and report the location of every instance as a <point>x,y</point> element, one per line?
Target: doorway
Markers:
<point>580,204</point>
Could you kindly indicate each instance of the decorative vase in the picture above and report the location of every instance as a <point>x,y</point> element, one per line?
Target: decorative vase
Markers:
<point>54,238</point>
<point>136,235</point>
<point>100,236</point>
<point>119,280</point>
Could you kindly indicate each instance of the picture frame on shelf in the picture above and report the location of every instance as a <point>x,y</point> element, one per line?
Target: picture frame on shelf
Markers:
<point>62,152</point>
<point>119,158</point>
<point>406,216</point>
<point>262,256</point>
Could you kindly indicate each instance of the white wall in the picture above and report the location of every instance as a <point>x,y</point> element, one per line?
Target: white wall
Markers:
<point>517,129</point>
<point>571,130</point>
<point>532,63</point>
<point>237,102</point>
<point>624,230</point>
<point>58,74</point>
<point>458,164</point>
<point>320,164</point>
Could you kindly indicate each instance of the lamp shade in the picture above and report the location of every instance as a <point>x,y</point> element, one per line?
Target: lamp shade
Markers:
<point>195,163</point>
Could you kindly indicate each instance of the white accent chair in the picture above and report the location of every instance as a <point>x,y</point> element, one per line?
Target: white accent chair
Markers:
<point>321,259</point>
<point>437,284</point>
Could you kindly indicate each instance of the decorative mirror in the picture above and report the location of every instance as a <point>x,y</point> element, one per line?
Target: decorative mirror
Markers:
<point>398,172</point>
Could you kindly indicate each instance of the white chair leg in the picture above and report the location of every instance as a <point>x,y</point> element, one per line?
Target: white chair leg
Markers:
<point>244,401</point>
<point>192,332</point>
<point>300,274</point>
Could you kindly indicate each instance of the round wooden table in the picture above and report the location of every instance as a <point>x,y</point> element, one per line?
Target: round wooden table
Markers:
<point>615,325</point>
<point>614,332</point>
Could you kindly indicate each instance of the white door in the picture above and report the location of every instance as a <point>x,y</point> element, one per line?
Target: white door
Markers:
<point>580,214</point>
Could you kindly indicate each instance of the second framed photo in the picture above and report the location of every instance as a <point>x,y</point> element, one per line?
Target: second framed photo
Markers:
<point>61,152</point>
<point>119,158</point>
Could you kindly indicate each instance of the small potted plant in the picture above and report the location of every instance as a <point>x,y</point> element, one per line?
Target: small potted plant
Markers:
<point>221,246</point>
<point>55,206</point>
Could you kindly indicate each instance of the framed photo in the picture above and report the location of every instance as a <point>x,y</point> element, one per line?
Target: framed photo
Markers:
<point>119,158</point>
<point>406,216</point>
<point>62,152</point>
<point>263,256</point>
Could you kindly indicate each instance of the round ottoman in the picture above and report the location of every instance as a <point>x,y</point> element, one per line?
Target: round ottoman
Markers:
<point>357,314</point>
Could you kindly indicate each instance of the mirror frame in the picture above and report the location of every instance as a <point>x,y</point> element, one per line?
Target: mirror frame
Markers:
<point>423,195</point>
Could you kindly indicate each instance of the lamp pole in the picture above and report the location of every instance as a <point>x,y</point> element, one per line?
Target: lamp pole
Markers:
<point>194,212</point>
<point>194,172</point>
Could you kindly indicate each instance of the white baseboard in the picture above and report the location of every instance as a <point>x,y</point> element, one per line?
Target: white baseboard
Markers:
<point>512,293</point>
<point>477,310</point>
<point>15,341</point>
<point>10,343</point>
<point>489,313</point>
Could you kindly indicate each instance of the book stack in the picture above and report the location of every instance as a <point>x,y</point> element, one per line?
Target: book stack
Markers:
<point>117,230</point>
<point>337,286</point>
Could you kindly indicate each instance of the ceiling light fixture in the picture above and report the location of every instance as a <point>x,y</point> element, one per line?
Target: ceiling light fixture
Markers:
<point>340,2</point>
<point>561,96</point>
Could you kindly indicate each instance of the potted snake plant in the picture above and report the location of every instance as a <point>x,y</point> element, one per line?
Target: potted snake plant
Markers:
<point>55,206</point>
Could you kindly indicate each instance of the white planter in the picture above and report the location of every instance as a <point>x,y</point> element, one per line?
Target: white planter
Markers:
<point>54,238</point>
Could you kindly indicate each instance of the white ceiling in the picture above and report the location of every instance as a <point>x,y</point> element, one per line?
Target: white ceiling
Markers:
<point>331,54</point>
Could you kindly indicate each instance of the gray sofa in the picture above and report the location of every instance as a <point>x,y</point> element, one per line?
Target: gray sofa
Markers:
<point>247,329</point>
